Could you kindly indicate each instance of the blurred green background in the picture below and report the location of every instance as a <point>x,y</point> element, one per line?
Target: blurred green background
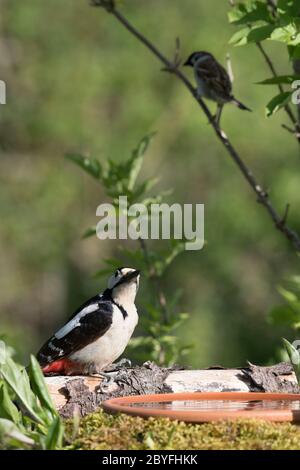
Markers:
<point>76,80</point>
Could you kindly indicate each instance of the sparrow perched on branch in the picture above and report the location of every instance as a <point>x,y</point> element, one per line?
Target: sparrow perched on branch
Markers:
<point>213,81</point>
<point>97,333</point>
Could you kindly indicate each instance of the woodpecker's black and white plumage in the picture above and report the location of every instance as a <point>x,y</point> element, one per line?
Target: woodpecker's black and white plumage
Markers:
<point>98,332</point>
<point>213,81</point>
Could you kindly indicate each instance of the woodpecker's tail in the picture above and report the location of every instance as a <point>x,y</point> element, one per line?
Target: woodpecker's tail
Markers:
<point>240,105</point>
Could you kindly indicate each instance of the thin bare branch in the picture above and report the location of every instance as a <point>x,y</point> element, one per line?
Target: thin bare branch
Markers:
<point>262,196</point>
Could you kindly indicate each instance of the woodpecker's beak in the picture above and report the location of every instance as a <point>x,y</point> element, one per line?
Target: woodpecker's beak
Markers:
<point>187,63</point>
<point>129,277</point>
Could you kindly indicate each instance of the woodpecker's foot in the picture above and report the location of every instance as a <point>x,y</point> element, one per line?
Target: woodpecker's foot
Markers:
<point>116,366</point>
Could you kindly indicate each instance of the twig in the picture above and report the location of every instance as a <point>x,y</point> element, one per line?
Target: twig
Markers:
<point>280,87</point>
<point>283,221</point>
<point>295,132</point>
<point>229,67</point>
<point>176,61</point>
<point>261,194</point>
<point>273,7</point>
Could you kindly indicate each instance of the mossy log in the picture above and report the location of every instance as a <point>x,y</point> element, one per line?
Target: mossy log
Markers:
<point>85,394</point>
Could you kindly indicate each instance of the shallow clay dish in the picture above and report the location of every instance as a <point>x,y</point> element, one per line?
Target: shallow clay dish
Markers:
<point>203,407</point>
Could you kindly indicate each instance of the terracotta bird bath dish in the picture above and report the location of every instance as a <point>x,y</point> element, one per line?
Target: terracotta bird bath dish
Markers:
<point>203,407</point>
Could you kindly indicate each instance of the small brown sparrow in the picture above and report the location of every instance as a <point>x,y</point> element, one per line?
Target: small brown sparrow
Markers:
<point>213,82</point>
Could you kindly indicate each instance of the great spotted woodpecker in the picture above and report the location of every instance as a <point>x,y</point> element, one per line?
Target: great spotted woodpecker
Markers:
<point>97,333</point>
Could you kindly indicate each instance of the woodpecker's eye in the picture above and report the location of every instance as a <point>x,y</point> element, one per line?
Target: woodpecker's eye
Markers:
<point>117,273</point>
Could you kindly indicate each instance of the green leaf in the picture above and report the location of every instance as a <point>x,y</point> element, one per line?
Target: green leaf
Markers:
<point>240,37</point>
<point>54,438</point>
<point>39,386</point>
<point>17,379</point>
<point>288,7</point>
<point>282,79</point>
<point>10,433</point>
<point>294,52</point>
<point>91,166</point>
<point>258,11</point>
<point>283,315</point>
<point>294,357</point>
<point>144,188</point>
<point>287,34</point>
<point>137,159</point>
<point>237,12</point>
<point>278,102</point>
<point>288,295</point>
<point>8,409</point>
<point>90,232</point>
<point>260,34</point>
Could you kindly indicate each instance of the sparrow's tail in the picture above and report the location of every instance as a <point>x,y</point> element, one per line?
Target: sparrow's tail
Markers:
<point>240,105</point>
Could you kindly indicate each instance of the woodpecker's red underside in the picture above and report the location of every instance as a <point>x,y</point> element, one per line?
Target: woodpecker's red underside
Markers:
<point>62,366</point>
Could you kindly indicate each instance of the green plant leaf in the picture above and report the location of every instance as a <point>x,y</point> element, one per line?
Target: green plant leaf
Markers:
<point>283,79</point>
<point>287,34</point>
<point>136,160</point>
<point>278,102</point>
<point>294,52</point>
<point>257,11</point>
<point>289,7</point>
<point>39,386</point>
<point>288,295</point>
<point>260,34</point>
<point>54,438</point>
<point>11,434</point>
<point>90,165</point>
<point>240,37</point>
<point>17,379</point>
<point>90,232</point>
<point>294,357</point>
<point>283,315</point>
<point>8,409</point>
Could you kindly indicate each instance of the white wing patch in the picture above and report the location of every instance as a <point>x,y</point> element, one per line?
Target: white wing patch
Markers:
<point>75,321</point>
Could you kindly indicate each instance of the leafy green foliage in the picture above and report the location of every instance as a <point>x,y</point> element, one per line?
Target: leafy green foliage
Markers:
<point>28,418</point>
<point>160,318</point>
<point>262,20</point>
<point>288,314</point>
<point>278,102</point>
<point>294,356</point>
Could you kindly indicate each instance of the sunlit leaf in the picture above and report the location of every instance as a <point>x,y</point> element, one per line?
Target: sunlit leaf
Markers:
<point>90,165</point>
<point>240,37</point>
<point>278,102</point>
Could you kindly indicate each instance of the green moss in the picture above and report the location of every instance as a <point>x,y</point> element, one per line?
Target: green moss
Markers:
<point>102,431</point>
